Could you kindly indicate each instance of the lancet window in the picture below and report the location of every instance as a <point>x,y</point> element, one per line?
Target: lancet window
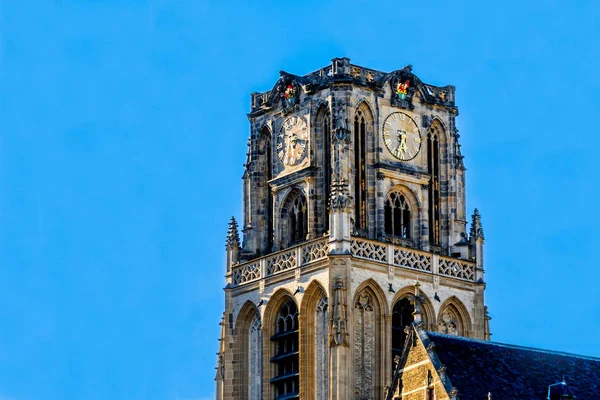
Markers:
<point>433,168</point>
<point>294,215</point>
<point>402,316</point>
<point>360,175</point>
<point>268,174</point>
<point>285,340</point>
<point>326,129</point>
<point>397,216</point>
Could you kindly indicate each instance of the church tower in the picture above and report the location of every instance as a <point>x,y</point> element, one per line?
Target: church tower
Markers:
<point>354,226</point>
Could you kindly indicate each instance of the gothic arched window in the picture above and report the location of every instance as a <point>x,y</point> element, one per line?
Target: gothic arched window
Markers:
<point>402,316</point>
<point>268,174</point>
<point>433,168</point>
<point>326,170</point>
<point>360,173</point>
<point>286,379</point>
<point>294,216</point>
<point>397,216</point>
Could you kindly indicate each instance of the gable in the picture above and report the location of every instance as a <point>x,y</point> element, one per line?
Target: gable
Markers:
<point>416,373</point>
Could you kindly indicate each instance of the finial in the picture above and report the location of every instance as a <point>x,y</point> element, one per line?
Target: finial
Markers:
<point>416,299</point>
<point>476,228</point>
<point>233,237</point>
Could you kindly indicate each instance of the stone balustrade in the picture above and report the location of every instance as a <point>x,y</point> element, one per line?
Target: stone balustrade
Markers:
<point>384,253</point>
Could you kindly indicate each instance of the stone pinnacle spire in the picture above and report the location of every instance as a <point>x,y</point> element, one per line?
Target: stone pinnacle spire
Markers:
<point>476,228</point>
<point>233,238</point>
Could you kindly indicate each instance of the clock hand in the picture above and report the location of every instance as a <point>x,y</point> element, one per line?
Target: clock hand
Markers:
<point>402,140</point>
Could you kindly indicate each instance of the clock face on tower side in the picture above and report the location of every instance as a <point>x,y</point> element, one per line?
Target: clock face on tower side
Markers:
<point>401,136</point>
<point>292,140</point>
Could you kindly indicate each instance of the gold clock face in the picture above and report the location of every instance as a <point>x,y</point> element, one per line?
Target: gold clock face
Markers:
<point>292,140</point>
<point>401,136</point>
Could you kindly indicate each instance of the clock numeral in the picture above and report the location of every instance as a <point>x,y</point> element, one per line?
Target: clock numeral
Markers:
<point>418,139</point>
<point>415,148</point>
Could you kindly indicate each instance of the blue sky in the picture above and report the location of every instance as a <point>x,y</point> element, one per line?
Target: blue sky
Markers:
<point>123,134</point>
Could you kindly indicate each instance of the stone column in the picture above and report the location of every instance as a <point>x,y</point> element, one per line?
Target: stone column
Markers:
<point>341,203</point>
<point>340,355</point>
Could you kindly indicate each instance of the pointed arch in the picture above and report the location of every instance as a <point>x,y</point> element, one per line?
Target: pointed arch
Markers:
<point>248,331</point>
<point>439,125</point>
<point>363,140</point>
<point>401,214</point>
<point>280,340</point>
<point>276,300</point>
<point>369,361</point>
<point>427,310</point>
<point>377,291</point>
<point>314,342</point>
<point>402,316</point>
<point>364,105</point>
<point>436,145</point>
<point>324,162</point>
<point>293,218</point>
<point>265,196</point>
<point>454,318</point>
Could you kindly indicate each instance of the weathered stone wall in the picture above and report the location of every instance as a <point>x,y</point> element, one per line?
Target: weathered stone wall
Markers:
<point>337,94</point>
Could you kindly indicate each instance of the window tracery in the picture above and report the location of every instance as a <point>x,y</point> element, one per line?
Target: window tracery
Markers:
<point>268,173</point>
<point>449,323</point>
<point>294,217</point>
<point>360,165</point>
<point>285,340</point>
<point>326,129</point>
<point>433,169</point>
<point>397,216</point>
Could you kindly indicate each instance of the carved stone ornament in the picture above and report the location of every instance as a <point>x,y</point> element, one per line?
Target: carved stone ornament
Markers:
<point>342,135</point>
<point>416,299</point>
<point>476,227</point>
<point>220,368</point>
<point>339,335</point>
<point>339,199</point>
<point>288,90</point>
<point>403,87</point>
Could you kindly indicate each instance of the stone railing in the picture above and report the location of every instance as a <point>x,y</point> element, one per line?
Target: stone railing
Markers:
<point>457,268</point>
<point>298,256</point>
<point>379,252</point>
<point>404,257</point>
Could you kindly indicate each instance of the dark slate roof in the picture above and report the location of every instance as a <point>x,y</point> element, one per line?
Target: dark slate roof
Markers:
<point>476,367</point>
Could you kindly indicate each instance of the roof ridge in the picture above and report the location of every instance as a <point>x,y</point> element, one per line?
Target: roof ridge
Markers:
<point>512,346</point>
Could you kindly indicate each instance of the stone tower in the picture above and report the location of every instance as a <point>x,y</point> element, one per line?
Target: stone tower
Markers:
<point>354,226</point>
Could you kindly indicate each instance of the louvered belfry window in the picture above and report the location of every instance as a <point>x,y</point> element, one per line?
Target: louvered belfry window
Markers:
<point>285,340</point>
